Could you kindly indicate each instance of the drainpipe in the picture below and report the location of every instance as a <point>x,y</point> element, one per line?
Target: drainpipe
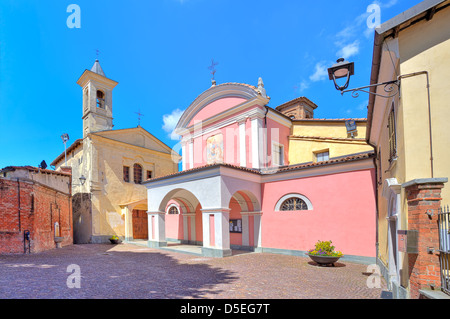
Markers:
<point>267,136</point>
<point>376,198</point>
<point>429,111</point>
<point>18,201</point>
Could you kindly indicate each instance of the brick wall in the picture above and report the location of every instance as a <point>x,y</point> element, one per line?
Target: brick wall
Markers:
<point>36,209</point>
<point>424,267</point>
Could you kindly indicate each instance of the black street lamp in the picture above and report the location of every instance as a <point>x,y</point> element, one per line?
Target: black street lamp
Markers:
<point>339,70</point>
<point>344,69</point>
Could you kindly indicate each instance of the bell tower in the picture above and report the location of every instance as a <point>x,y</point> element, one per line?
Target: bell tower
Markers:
<point>97,100</point>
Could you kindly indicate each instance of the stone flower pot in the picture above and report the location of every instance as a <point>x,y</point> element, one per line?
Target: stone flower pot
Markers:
<point>324,260</point>
<point>114,241</point>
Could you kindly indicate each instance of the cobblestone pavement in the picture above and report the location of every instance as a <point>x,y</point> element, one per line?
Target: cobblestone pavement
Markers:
<point>132,272</point>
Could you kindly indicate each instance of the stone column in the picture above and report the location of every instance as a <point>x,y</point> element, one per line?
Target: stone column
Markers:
<point>128,223</point>
<point>156,229</point>
<point>256,142</point>
<point>251,231</point>
<point>424,201</point>
<point>219,244</point>
<point>188,225</point>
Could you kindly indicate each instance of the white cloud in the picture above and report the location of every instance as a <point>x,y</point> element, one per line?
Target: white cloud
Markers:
<point>349,50</point>
<point>170,122</point>
<point>320,73</point>
<point>388,4</point>
<point>303,85</point>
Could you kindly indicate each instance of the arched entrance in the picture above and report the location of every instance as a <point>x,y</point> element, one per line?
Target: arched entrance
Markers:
<point>245,221</point>
<point>136,224</point>
<point>178,220</point>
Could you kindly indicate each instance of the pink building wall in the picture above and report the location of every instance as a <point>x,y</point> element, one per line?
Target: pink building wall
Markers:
<point>216,107</point>
<point>343,212</point>
<point>231,135</point>
<point>174,223</point>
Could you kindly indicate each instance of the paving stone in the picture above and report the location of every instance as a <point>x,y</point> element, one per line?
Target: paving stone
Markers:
<point>128,271</point>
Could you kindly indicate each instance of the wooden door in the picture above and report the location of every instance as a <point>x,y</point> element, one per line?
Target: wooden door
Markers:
<point>140,224</point>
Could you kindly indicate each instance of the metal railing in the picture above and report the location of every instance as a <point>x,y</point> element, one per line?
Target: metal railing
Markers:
<point>444,247</point>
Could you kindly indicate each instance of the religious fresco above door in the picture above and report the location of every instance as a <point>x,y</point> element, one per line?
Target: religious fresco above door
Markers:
<point>214,149</point>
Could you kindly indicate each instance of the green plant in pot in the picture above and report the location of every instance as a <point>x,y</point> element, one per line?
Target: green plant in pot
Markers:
<point>324,253</point>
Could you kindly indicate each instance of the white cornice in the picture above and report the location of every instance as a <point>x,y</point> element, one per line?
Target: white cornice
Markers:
<point>356,165</point>
<point>279,119</point>
<point>92,76</point>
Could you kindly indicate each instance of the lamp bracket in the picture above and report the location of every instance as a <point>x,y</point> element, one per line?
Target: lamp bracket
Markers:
<point>392,88</point>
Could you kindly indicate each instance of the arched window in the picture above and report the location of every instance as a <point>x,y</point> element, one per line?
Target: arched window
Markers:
<point>137,173</point>
<point>100,99</point>
<point>173,210</point>
<point>293,202</point>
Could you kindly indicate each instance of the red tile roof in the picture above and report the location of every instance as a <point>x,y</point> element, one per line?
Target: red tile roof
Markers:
<point>337,160</point>
<point>34,169</point>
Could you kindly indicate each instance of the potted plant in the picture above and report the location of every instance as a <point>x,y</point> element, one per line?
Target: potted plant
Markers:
<point>324,253</point>
<point>114,240</point>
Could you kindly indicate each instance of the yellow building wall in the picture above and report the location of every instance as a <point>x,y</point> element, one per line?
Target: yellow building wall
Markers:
<point>101,161</point>
<point>426,47</point>
<point>114,191</point>
<point>309,137</point>
<point>422,47</point>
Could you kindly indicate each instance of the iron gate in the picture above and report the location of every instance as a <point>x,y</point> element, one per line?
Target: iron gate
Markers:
<point>444,248</point>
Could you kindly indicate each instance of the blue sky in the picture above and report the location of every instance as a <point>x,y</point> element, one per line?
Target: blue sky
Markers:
<point>159,52</point>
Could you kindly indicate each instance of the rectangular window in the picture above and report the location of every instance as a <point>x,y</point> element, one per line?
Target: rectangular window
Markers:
<point>126,174</point>
<point>322,156</point>
<point>149,174</point>
<point>137,170</point>
<point>277,155</point>
<point>392,135</point>
<point>32,203</point>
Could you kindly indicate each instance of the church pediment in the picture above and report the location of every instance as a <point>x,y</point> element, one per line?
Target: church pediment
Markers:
<point>218,100</point>
<point>138,137</point>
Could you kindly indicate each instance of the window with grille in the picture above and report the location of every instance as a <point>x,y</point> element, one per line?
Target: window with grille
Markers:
<point>137,171</point>
<point>173,210</point>
<point>126,174</point>
<point>322,156</point>
<point>392,135</point>
<point>293,203</point>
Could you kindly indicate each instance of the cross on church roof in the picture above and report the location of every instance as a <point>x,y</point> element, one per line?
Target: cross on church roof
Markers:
<point>139,117</point>
<point>212,67</point>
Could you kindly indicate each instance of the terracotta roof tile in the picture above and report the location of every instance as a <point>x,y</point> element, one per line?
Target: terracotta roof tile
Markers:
<point>343,159</point>
<point>331,120</point>
<point>33,169</point>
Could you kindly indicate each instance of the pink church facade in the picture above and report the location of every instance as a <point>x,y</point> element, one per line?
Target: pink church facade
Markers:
<point>237,189</point>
